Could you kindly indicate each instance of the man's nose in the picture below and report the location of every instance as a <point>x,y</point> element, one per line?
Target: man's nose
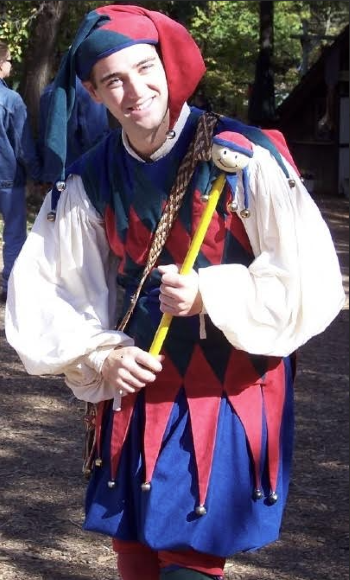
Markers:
<point>135,87</point>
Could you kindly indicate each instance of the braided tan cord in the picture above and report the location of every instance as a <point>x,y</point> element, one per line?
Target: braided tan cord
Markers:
<point>199,150</point>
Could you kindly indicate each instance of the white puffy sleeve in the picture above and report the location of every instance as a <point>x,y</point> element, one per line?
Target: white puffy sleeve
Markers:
<point>62,296</point>
<point>293,289</point>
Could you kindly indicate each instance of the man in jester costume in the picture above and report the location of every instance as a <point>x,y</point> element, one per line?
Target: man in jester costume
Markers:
<point>194,446</point>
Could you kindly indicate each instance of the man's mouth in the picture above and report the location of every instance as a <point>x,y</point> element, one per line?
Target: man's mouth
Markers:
<point>142,106</point>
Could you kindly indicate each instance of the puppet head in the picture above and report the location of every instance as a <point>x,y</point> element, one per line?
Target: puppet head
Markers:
<point>231,151</point>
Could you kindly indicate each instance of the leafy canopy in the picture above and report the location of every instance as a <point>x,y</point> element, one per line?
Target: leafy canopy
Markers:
<point>226,31</point>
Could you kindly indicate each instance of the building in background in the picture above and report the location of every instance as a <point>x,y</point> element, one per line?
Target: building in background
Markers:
<point>315,121</point>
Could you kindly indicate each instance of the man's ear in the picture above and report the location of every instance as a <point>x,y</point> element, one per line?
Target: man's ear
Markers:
<point>91,89</point>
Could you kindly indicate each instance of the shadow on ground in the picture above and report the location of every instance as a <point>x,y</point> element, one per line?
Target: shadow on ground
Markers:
<point>42,489</point>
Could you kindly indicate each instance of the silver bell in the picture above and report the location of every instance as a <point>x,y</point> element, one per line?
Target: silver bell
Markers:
<point>292,183</point>
<point>258,494</point>
<point>200,510</point>
<point>205,197</point>
<point>146,487</point>
<point>87,472</point>
<point>273,497</point>
<point>245,213</point>
<point>232,206</point>
<point>60,186</point>
<point>111,484</point>
<point>51,216</point>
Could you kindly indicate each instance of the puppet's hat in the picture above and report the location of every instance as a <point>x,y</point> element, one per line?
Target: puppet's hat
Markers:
<point>235,142</point>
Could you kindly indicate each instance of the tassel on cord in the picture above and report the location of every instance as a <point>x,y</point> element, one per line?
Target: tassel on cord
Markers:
<point>202,327</point>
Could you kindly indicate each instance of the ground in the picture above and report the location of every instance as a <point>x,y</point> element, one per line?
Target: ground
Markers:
<point>42,489</point>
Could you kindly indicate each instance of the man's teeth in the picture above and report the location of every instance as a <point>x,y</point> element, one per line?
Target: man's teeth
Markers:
<point>143,106</point>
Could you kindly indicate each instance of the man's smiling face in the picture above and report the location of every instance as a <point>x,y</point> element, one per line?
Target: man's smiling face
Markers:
<point>133,86</point>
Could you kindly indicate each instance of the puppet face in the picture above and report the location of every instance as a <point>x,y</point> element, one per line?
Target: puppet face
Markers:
<point>133,86</point>
<point>229,160</point>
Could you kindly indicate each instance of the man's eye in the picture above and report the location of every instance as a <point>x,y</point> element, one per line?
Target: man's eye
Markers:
<point>146,67</point>
<point>114,82</point>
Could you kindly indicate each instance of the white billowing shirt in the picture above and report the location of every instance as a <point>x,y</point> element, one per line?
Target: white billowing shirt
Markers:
<point>60,315</point>
<point>293,289</point>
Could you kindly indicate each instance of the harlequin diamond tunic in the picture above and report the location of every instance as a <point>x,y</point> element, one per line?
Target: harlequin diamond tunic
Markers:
<point>215,430</point>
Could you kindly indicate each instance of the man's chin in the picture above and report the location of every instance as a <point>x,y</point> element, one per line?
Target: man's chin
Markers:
<point>149,125</point>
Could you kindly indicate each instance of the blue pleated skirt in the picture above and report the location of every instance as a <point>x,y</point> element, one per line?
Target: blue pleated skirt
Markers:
<point>165,517</point>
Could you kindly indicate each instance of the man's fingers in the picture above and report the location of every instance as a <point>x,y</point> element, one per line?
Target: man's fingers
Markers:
<point>170,291</point>
<point>173,280</point>
<point>169,269</point>
<point>170,276</point>
<point>149,362</point>
<point>169,310</point>
<point>129,382</point>
<point>130,369</point>
<point>125,388</point>
<point>172,305</point>
<point>142,374</point>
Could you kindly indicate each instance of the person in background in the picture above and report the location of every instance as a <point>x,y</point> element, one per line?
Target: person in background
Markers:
<point>87,125</point>
<point>193,448</point>
<point>18,161</point>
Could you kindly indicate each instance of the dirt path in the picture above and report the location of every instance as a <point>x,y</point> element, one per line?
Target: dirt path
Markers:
<point>42,490</point>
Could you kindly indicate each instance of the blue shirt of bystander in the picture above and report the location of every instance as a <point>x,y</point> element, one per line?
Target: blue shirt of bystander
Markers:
<point>18,153</point>
<point>18,160</point>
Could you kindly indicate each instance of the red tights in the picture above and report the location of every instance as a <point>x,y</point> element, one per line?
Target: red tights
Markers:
<point>136,561</point>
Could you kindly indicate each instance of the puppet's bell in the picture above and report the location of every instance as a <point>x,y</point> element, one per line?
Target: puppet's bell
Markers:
<point>245,213</point>
<point>51,216</point>
<point>60,186</point>
<point>232,206</point>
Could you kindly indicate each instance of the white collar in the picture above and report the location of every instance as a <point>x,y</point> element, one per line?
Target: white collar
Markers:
<point>168,143</point>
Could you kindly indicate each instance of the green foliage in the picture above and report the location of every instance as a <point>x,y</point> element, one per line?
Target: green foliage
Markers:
<point>321,20</point>
<point>228,34</point>
<point>16,19</point>
<point>226,31</point>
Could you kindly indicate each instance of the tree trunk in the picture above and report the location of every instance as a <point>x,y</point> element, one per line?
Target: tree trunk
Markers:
<point>41,53</point>
<point>262,98</point>
<point>2,8</point>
